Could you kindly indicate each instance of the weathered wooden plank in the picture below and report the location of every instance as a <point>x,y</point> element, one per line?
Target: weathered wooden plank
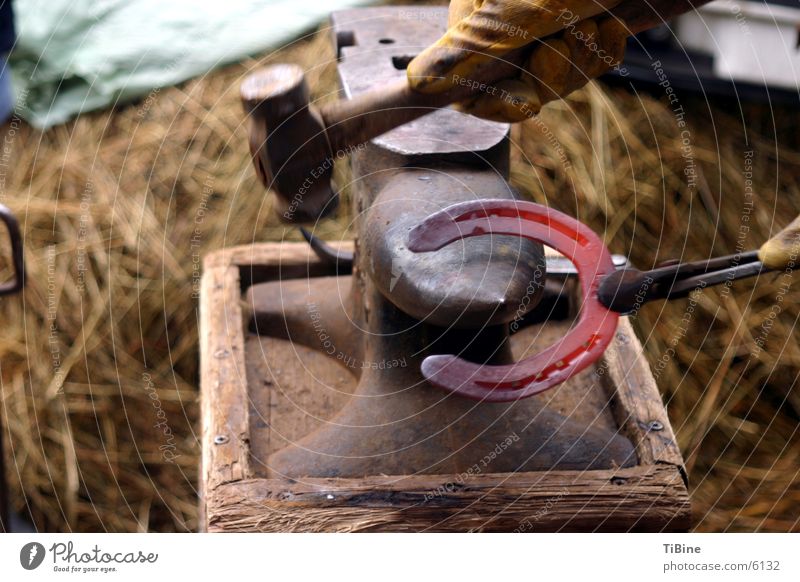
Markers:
<point>223,379</point>
<point>294,253</point>
<point>270,261</point>
<point>640,498</point>
<point>637,402</point>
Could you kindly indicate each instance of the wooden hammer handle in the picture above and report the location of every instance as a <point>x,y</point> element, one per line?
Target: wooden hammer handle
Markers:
<point>350,122</point>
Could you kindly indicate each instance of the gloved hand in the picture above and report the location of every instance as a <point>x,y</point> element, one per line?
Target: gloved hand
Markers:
<point>589,43</point>
<point>783,249</point>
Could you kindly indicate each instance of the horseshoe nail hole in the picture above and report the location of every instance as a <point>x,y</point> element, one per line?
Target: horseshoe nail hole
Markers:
<point>386,41</point>
<point>220,439</point>
<point>618,480</point>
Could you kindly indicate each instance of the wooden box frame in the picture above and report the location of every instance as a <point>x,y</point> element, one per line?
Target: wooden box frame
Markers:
<point>651,496</point>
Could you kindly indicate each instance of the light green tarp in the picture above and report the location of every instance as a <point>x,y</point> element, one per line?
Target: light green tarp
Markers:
<point>74,56</point>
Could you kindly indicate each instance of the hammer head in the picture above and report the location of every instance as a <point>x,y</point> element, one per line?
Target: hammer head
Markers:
<point>290,148</point>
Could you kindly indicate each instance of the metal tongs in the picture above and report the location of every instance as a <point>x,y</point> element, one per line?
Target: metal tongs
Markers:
<point>627,289</point>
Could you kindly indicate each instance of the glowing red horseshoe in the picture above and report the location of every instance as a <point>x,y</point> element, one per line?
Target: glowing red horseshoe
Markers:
<point>584,343</point>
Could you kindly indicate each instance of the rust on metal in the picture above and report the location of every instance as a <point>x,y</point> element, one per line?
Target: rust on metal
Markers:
<point>398,308</point>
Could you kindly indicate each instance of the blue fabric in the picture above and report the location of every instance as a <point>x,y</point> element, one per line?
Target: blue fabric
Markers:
<point>7,34</point>
<point>6,91</point>
<point>7,38</point>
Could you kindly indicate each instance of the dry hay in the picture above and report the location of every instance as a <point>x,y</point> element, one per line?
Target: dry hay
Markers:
<point>727,360</point>
<point>99,357</point>
<point>117,209</point>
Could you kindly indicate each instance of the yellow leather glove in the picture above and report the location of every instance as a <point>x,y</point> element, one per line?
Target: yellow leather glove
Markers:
<point>783,250</point>
<point>589,42</point>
